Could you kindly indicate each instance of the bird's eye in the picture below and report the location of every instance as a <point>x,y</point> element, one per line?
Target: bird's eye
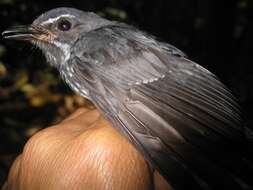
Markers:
<point>64,25</point>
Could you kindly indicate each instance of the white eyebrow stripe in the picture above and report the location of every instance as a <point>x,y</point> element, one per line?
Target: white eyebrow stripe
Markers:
<point>51,20</point>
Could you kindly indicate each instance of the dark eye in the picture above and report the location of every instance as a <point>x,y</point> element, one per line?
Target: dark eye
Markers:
<point>64,25</point>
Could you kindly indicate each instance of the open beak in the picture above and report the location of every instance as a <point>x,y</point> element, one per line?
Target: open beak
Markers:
<point>27,33</point>
<point>19,33</point>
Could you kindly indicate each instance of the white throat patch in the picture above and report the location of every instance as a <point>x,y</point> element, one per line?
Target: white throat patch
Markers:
<point>65,48</point>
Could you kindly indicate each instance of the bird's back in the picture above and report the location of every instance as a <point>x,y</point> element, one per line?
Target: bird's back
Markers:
<point>175,112</point>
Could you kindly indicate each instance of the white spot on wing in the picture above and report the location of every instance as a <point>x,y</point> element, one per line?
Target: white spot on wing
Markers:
<point>75,86</point>
<point>70,71</point>
<point>146,81</point>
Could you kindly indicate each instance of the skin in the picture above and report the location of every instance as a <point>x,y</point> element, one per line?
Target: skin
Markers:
<point>82,152</point>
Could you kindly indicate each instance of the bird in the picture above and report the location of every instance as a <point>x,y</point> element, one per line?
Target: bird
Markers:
<point>182,119</point>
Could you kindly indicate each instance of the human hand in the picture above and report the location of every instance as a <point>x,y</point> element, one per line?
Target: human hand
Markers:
<point>82,152</point>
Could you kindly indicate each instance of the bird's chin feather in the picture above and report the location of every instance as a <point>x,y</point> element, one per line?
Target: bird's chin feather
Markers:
<point>51,59</point>
<point>50,52</point>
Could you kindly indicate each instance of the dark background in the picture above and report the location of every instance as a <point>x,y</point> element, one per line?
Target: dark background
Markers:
<point>217,34</point>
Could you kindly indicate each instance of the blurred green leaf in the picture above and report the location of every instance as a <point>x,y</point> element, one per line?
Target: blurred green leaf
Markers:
<point>2,50</point>
<point>116,13</point>
<point>37,101</point>
<point>7,2</point>
<point>3,70</point>
<point>242,4</point>
<point>199,23</point>
<point>21,79</point>
<point>29,89</point>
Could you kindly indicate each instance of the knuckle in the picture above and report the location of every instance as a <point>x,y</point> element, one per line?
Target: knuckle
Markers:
<point>39,141</point>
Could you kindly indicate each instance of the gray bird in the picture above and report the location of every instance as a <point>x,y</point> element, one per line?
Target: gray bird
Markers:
<point>178,115</point>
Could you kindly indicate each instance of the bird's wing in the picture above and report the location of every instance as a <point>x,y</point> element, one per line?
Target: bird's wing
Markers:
<point>175,112</point>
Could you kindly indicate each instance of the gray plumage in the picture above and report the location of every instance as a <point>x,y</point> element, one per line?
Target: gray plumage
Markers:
<point>182,119</point>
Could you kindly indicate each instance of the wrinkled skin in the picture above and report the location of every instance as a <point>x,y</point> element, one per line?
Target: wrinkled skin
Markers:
<point>82,152</point>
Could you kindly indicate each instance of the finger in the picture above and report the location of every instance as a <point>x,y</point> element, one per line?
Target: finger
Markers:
<point>53,160</point>
<point>81,121</point>
<point>89,117</point>
<point>160,183</point>
<point>13,177</point>
<point>103,153</point>
<point>76,114</point>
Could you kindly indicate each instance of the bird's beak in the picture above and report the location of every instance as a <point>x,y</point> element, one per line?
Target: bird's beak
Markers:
<point>27,33</point>
<point>19,33</point>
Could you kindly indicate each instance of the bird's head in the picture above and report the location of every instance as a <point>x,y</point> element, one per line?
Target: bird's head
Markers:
<point>55,32</point>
